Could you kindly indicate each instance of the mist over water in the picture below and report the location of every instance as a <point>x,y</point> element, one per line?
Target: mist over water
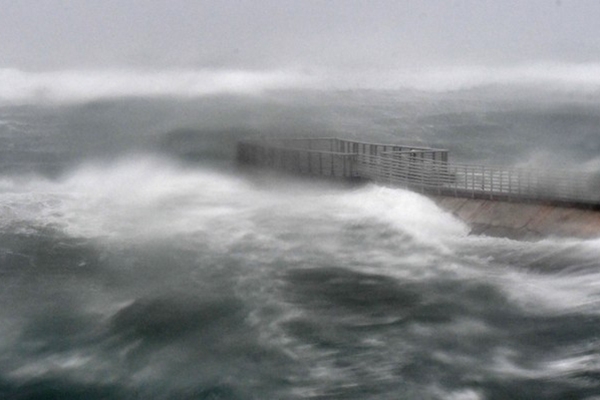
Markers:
<point>139,262</point>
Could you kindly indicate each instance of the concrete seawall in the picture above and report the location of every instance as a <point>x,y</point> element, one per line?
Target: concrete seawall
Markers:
<point>522,220</point>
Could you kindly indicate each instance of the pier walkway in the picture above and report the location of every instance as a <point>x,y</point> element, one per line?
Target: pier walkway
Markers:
<point>422,169</point>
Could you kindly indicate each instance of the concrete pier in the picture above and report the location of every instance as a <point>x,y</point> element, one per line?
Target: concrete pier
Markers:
<point>522,220</point>
<point>496,201</point>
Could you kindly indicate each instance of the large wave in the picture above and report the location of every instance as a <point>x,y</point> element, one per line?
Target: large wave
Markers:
<point>77,86</point>
<point>80,85</point>
<point>142,197</point>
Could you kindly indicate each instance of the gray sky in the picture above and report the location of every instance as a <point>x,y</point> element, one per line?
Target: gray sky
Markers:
<point>51,35</point>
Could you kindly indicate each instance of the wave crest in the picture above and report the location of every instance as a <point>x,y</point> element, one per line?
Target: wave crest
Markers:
<point>79,86</point>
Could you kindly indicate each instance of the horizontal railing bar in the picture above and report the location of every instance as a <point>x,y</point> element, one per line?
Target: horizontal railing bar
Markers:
<point>271,140</point>
<point>336,153</point>
<point>383,144</point>
<point>414,151</point>
<point>332,138</point>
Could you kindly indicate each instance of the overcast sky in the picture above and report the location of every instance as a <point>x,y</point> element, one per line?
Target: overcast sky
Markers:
<point>51,35</point>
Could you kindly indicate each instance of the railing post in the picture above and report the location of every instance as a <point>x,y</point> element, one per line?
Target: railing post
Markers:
<point>423,172</point>
<point>491,182</point>
<point>473,181</point>
<point>483,179</point>
<point>332,165</point>
<point>320,164</point>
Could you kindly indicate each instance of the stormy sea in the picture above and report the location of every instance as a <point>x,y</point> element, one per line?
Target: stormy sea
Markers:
<point>139,261</point>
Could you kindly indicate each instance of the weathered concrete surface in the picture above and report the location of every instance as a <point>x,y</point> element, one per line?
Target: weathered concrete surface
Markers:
<point>522,220</point>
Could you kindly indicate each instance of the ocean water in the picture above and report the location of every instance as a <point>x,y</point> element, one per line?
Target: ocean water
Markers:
<point>137,261</point>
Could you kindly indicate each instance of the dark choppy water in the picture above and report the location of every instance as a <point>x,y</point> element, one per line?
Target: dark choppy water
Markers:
<point>126,273</point>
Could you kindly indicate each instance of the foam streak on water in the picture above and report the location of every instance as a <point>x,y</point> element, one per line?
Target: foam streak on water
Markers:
<point>145,278</point>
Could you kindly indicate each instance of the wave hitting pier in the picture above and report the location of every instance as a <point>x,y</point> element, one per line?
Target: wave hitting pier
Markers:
<point>419,168</point>
<point>527,202</point>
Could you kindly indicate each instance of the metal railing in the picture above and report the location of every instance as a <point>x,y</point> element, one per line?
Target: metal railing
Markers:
<point>479,181</point>
<point>419,168</point>
<point>297,160</point>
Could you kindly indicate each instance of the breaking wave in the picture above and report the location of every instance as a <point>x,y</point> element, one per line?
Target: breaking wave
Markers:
<point>80,86</point>
<point>145,276</point>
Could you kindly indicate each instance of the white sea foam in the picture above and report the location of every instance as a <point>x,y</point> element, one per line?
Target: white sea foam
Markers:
<point>151,198</point>
<point>404,210</point>
<point>464,394</point>
<point>51,364</point>
<point>506,363</point>
<point>552,276</point>
<point>145,197</point>
<point>555,294</point>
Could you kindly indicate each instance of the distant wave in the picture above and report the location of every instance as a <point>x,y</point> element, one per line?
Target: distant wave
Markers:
<point>79,86</point>
<point>76,86</point>
<point>547,76</point>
